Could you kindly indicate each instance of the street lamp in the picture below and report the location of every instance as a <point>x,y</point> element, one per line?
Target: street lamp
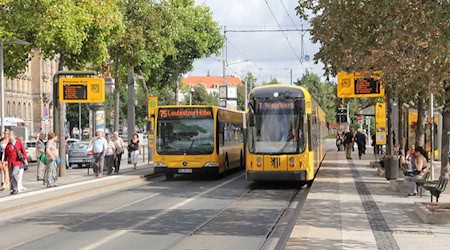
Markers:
<point>45,101</point>
<point>191,90</point>
<point>2,82</point>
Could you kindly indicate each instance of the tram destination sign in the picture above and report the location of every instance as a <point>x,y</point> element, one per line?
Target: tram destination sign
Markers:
<point>81,90</point>
<point>366,86</point>
<point>359,85</point>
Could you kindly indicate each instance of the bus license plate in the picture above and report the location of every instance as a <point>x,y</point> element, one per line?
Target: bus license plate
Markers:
<point>185,171</point>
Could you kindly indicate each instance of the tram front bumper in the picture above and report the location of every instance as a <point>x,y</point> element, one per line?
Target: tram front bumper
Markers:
<point>276,176</point>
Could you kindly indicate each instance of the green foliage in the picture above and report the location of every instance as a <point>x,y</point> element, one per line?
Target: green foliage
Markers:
<point>78,30</point>
<point>272,81</point>
<point>201,97</point>
<point>323,92</point>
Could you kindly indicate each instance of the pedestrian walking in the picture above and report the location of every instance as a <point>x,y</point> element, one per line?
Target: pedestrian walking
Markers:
<point>348,143</point>
<point>134,147</point>
<point>5,185</point>
<point>110,154</point>
<point>98,145</point>
<point>52,156</point>
<point>120,148</point>
<point>361,142</point>
<point>40,149</point>
<point>16,156</point>
<point>22,169</point>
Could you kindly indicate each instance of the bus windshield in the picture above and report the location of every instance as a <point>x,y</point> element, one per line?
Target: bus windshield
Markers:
<point>181,134</point>
<point>278,127</point>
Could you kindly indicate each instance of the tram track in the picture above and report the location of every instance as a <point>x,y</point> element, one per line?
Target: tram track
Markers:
<point>274,232</point>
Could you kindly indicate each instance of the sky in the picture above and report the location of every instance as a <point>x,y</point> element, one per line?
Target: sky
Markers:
<point>266,54</point>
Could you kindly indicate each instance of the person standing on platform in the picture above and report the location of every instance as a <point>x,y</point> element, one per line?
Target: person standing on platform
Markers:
<point>348,142</point>
<point>361,142</point>
<point>120,148</point>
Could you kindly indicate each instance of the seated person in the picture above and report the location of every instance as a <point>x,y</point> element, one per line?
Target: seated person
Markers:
<point>421,167</point>
<point>407,162</point>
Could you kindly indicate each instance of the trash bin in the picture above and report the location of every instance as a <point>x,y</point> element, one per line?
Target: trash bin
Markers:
<point>391,167</point>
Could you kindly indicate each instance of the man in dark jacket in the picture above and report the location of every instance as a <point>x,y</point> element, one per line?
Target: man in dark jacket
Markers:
<point>348,143</point>
<point>361,141</point>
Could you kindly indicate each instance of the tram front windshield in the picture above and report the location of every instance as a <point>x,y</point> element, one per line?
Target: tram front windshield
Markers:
<point>185,134</point>
<point>278,127</point>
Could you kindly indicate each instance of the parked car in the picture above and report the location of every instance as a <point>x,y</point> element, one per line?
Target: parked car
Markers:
<point>30,147</point>
<point>124,137</point>
<point>79,155</point>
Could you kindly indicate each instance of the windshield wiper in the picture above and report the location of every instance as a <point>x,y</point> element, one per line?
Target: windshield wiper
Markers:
<point>286,144</point>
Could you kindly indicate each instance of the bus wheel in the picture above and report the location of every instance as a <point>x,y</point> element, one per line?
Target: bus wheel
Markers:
<point>169,176</point>
<point>227,166</point>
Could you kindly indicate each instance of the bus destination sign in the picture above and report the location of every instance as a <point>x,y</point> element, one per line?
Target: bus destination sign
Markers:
<point>75,92</point>
<point>183,113</point>
<point>367,86</point>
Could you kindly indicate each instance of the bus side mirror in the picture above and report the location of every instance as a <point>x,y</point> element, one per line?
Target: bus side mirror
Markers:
<point>251,115</point>
<point>221,127</point>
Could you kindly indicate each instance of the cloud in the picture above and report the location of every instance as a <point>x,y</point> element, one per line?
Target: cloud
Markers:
<point>269,54</point>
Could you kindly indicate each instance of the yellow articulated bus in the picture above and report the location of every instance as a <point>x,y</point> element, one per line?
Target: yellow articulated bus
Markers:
<point>285,131</point>
<point>198,140</point>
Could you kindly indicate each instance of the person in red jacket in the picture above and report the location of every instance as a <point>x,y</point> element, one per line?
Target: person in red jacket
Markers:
<point>14,163</point>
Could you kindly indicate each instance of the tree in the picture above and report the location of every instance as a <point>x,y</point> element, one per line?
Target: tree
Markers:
<point>78,31</point>
<point>407,40</point>
<point>250,80</point>
<point>201,97</point>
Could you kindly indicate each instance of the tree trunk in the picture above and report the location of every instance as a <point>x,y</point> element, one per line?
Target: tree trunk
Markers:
<point>116,95</point>
<point>420,119</point>
<point>445,131</point>
<point>400,135</point>
<point>177,89</point>
<point>389,142</point>
<point>62,129</point>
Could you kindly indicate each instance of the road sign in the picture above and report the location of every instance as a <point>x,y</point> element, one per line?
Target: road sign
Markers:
<point>82,90</point>
<point>380,123</point>
<point>359,117</point>
<point>359,85</point>
<point>152,104</point>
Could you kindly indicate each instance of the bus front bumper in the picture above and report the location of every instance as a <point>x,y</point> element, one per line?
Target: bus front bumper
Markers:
<point>276,176</point>
<point>203,170</point>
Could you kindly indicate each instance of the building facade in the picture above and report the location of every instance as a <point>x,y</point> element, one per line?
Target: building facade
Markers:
<point>29,95</point>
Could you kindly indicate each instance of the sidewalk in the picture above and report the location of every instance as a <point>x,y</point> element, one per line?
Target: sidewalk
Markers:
<point>350,207</point>
<point>73,175</point>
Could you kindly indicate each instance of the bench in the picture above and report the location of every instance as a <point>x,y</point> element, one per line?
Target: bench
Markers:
<point>421,182</point>
<point>438,189</point>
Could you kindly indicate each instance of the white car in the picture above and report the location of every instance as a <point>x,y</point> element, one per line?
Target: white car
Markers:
<point>30,147</point>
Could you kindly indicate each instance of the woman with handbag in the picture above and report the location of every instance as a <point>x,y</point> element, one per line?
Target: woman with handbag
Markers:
<point>134,147</point>
<point>16,155</point>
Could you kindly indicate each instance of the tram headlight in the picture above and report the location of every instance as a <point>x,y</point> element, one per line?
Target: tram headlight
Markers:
<point>211,164</point>
<point>160,165</point>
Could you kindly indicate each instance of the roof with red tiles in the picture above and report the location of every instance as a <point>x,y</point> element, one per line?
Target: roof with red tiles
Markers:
<point>209,81</point>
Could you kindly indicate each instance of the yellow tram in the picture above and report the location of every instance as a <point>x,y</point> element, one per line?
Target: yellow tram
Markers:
<point>286,127</point>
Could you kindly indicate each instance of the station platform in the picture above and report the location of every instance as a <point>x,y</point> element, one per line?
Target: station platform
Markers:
<point>350,207</point>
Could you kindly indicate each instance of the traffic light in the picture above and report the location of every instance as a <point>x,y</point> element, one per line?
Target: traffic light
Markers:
<point>341,115</point>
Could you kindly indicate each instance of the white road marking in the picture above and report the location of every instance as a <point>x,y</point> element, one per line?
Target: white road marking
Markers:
<point>149,219</point>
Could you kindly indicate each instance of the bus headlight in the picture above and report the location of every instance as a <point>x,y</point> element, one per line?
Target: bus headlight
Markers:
<point>160,164</point>
<point>211,164</point>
